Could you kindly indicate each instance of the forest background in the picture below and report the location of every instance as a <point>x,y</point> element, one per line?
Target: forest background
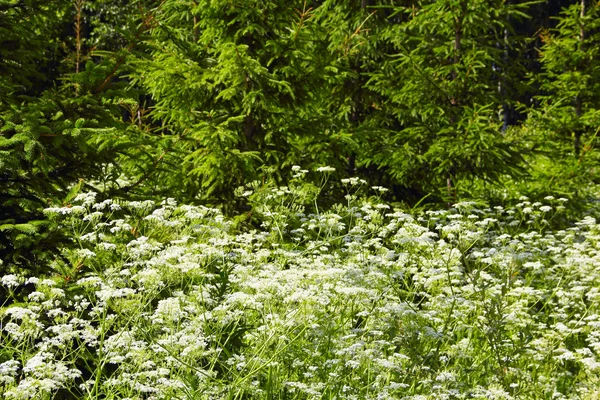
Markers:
<point>439,101</point>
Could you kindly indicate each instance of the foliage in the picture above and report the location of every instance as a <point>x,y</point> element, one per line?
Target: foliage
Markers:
<point>235,90</point>
<point>565,124</point>
<point>439,84</point>
<point>194,99</point>
<point>60,121</point>
<point>356,301</point>
<point>313,284</point>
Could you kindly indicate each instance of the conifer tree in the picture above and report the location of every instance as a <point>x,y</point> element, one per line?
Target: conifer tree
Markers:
<point>441,86</point>
<point>59,121</point>
<point>566,122</point>
<point>236,88</point>
<point>355,50</point>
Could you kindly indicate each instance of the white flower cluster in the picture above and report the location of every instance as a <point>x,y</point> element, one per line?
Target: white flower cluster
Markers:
<point>361,301</point>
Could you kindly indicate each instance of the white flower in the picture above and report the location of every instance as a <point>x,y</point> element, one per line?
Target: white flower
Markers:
<point>11,280</point>
<point>8,372</point>
<point>380,189</point>
<point>171,202</point>
<point>95,216</point>
<point>102,206</point>
<point>37,296</point>
<point>33,280</point>
<point>87,199</point>
<point>109,293</point>
<point>20,313</point>
<point>90,281</point>
<point>107,246</point>
<point>325,169</point>
<point>53,210</point>
<point>86,253</point>
<point>169,310</point>
<point>353,181</point>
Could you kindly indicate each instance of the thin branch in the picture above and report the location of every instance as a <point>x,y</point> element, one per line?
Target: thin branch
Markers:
<point>146,25</point>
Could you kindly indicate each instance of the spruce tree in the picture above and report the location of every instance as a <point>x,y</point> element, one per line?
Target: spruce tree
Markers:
<point>238,92</point>
<point>441,86</point>
<point>565,122</point>
<point>60,121</point>
<point>354,52</point>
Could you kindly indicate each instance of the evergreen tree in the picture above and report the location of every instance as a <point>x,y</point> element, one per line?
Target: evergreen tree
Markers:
<point>355,51</point>
<point>565,124</point>
<point>441,86</point>
<point>235,88</point>
<point>59,121</point>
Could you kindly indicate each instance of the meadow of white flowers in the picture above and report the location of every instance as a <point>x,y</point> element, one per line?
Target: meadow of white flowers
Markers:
<point>360,301</point>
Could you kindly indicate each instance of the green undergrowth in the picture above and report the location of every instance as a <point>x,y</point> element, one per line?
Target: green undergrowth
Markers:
<point>357,301</point>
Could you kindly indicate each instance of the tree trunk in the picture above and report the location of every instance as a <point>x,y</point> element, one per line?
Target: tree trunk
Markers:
<point>578,103</point>
<point>458,33</point>
<point>249,131</point>
<point>502,83</point>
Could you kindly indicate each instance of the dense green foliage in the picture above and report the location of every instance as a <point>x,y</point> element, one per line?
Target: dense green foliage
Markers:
<point>447,99</point>
<point>60,122</point>
<point>266,284</point>
<point>566,122</point>
<point>440,85</point>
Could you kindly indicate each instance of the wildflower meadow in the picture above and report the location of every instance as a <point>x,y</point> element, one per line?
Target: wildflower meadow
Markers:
<point>360,300</point>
